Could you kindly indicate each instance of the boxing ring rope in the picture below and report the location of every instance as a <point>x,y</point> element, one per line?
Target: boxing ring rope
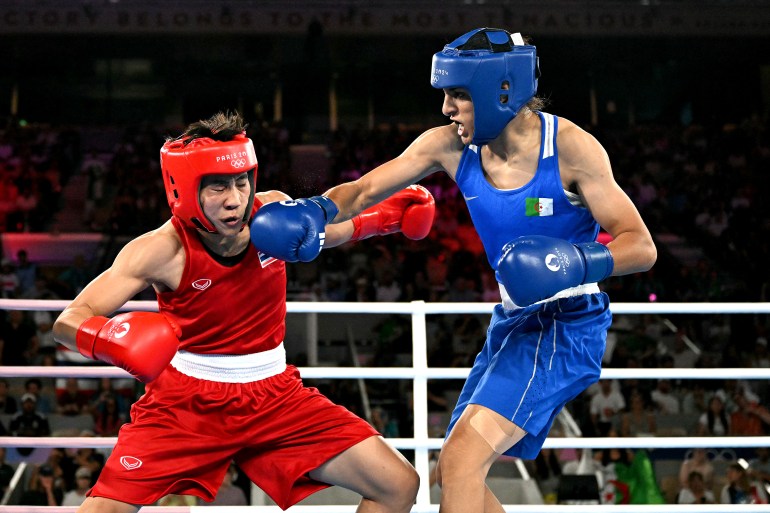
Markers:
<point>526,508</point>
<point>419,373</point>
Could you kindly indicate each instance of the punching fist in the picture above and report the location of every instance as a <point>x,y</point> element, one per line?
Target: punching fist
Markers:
<point>536,267</point>
<point>293,230</point>
<point>409,211</point>
<point>142,343</point>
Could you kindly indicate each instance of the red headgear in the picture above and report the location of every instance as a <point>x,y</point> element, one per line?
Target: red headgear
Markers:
<point>183,167</point>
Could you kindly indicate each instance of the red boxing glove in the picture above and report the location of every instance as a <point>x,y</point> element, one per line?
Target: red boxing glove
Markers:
<point>604,238</point>
<point>142,343</point>
<point>409,211</point>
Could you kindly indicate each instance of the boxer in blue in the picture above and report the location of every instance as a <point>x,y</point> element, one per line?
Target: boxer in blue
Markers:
<point>538,188</point>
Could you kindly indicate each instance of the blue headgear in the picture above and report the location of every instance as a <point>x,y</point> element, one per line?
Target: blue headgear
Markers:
<point>482,61</point>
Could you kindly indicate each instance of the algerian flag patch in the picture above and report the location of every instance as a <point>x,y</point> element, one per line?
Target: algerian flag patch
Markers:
<point>538,207</point>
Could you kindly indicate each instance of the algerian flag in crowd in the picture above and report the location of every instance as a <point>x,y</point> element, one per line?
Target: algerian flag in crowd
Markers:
<point>538,207</point>
<point>641,480</point>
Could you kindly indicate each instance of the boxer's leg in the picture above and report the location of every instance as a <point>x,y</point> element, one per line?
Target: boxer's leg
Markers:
<point>372,468</point>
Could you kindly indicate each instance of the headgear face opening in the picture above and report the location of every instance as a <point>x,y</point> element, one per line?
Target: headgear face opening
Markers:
<point>499,71</point>
<point>184,165</point>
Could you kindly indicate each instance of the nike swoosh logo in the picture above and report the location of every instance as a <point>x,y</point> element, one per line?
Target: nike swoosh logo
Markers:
<point>468,198</point>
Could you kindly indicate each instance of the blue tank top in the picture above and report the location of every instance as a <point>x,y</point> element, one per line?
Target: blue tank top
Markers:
<point>541,207</point>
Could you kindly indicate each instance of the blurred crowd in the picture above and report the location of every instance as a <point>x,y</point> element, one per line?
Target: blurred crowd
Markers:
<point>699,189</point>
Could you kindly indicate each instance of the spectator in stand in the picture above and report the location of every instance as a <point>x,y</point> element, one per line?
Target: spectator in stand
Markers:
<point>666,401</point>
<point>695,492</point>
<point>63,469</point>
<point>699,462</point>
<point>715,421</point>
<point>72,400</point>
<point>683,356</point>
<point>28,422</point>
<point>740,488</point>
<point>760,358</point>
<point>759,466</point>
<point>107,418</point>
<point>41,490</point>
<point>90,459</point>
<point>46,345</point>
<point>638,420</point>
<point>106,388</point>
<point>17,338</point>
<point>387,289</point>
<point>9,282</point>
<point>694,398</point>
<point>605,407</point>
<point>77,495</point>
<point>34,386</point>
<point>8,404</point>
<point>728,390</point>
<point>751,418</point>
<point>26,271</point>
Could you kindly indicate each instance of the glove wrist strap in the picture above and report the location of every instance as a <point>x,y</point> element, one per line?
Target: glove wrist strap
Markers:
<point>367,224</point>
<point>87,333</point>
<point>599,261</point>
<point>327,205</point>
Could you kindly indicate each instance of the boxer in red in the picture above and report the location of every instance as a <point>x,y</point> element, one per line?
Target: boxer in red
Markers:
<point>218,385</point>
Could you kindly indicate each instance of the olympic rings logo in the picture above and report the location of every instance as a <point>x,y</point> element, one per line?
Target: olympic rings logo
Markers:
<point>238,163</point>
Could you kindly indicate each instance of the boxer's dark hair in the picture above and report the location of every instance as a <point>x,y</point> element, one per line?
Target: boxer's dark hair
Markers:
<point>222,126</point>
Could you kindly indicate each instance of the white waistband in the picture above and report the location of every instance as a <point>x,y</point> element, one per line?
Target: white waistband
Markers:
<point>226,368</point>
<point>586,288</point>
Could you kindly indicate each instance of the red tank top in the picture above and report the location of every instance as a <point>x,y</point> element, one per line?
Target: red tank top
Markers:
<point>239,309</point>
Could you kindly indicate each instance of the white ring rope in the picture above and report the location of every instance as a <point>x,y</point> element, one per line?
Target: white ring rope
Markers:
<point>647,442</point>
<point>431,508</point>
<point>428,308</point>
<point>99,371</point>
<point>420,373</point>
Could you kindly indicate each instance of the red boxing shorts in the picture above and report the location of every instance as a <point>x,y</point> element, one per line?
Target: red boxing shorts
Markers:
<point>185,431</point>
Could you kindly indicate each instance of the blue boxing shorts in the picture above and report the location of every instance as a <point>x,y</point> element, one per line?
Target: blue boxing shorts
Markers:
<point>535,360</point>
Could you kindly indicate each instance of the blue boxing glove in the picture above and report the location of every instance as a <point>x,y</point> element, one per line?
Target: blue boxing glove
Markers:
<point>292,230</point>
<point>536,267</point>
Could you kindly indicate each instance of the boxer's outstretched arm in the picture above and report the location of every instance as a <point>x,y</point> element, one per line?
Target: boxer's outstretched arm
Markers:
<point>437,149</point>
<point>297,230</point>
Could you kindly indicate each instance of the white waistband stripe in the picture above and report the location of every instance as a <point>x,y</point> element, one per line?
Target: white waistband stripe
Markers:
<point>586,288</point>
<point>226,368</point>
